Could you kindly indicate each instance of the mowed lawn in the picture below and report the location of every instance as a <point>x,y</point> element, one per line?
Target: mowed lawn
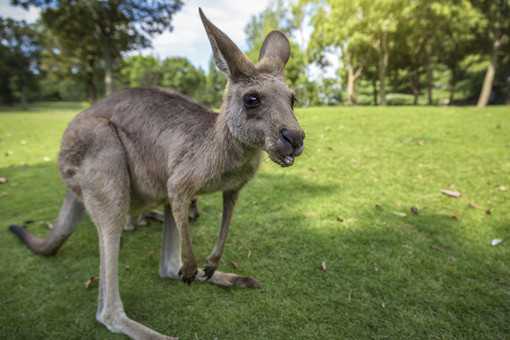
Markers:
<point>390,274</point>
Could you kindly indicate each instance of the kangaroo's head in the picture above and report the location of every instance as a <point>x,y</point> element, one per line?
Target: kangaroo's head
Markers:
<point>258,105</point>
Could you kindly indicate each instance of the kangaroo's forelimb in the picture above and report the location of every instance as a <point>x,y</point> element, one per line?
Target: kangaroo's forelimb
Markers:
<point>171,260</point>
<point>180,210</point>
<point>213,261</point>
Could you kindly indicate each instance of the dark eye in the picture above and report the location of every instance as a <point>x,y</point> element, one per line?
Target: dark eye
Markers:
<point>251,100</point>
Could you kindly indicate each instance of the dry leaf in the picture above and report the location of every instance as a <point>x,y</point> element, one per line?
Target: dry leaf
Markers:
<point>414,210</point>
<point>323,266</point>
<point>234,264</point>
<point>496,242</point>
<point>450,193</point>
<point>90,282</point>
<point>473,205</point>
<point>399,214</point>
<point>3,180</point>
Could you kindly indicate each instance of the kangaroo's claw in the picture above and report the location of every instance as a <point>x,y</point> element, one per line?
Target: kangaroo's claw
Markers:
<point>209,271</point>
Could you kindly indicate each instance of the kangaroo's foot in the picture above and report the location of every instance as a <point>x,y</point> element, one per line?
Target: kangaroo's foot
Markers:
<point>218,278</point>
<point>118,322</point>
<point>227,279</point>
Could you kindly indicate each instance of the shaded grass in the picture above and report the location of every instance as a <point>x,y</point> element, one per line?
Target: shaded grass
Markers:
<point>428,276</point>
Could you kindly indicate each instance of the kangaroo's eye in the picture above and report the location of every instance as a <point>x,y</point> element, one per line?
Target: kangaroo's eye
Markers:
<point>251,100</point>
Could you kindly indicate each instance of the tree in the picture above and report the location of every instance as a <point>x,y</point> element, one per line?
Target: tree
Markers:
<point>111,26</point>
<point>493,34</point>
<point>179,74</point>
<point>141,71</point>
<point>19,59</point>
<point>361,29</point>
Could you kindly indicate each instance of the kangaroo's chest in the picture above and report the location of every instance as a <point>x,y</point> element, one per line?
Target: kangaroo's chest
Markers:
<point>232,179</point>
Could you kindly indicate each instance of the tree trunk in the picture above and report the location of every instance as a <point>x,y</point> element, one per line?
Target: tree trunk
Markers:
<point>430,83</point>
<point>383,64</point>
<point>374,91</point>
<point>108,71</point>
<point>415,85</point>
<point>92,90</point>
<point>488,82</point>
<point>453,85</point>
<point>351,98</point>
<point>352,78</point>
<point>23,92</point>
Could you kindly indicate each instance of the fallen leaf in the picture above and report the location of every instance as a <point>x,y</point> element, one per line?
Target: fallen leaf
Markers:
<point>323,267</point>
<point>450,193</point>
<point>398,213</point>
<point>488,212</point>
<point>414,210</point>
<point>473,205</point>
<point>90,282</point>
<point>496,242</point>
<point>3,180</point>
<point>234,264</point>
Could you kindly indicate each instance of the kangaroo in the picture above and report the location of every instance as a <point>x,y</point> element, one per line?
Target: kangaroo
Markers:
<point>144,147</point>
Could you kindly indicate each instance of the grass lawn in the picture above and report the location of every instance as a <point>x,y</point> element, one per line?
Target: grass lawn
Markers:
<point>390,274</point>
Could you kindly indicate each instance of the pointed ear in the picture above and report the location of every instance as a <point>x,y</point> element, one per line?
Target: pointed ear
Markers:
<point>227,56</point>
<point>275,53</point>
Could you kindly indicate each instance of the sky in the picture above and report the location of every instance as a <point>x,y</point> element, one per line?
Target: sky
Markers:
<point>188,39</point>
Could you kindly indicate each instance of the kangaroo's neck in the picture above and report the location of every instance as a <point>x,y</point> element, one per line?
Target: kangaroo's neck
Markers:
<point>233,151</point>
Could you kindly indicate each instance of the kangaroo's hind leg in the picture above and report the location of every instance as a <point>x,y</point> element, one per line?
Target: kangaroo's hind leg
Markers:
<point>70,214</point>
<point>104,182</point>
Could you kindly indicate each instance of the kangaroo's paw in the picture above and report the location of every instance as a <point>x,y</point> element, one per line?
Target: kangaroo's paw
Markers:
<point>209,270</point>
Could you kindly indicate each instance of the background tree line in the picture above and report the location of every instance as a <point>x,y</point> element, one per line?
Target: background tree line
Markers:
<point>387,51</point>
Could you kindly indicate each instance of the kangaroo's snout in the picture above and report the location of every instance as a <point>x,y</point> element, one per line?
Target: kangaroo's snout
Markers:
<point>295,138</point>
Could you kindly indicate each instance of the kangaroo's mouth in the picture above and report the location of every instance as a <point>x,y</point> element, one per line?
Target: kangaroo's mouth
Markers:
<point>285,156</point>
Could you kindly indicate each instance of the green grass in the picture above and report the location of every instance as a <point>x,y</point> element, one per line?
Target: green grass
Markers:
<point>430,276</point>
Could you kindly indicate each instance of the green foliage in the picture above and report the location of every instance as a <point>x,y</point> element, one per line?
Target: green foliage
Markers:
<point>175,73</point>
<point>428,276</point>
<point>96,33</point>
<point>19,60</point>
<point>179,74</point>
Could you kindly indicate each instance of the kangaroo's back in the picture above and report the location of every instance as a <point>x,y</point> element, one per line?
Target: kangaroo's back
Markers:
<point>152,125</point>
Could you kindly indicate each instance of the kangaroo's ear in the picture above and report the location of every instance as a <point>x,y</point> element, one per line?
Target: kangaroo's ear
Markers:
<point>275,53</point>
<point>227,56</point>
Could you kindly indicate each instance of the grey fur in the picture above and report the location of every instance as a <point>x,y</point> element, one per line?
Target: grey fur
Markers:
<point>144,147</point>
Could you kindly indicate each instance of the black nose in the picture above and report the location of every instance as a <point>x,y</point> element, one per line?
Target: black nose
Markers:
<point>294,138</point>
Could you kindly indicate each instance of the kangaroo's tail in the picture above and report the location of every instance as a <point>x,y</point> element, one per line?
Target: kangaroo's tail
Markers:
<point>70,214</point>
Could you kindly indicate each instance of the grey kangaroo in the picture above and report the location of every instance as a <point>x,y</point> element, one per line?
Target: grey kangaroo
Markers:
<point>145,147</point>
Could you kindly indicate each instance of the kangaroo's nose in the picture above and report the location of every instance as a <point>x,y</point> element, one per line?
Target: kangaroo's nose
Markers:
<point>295,139</point>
